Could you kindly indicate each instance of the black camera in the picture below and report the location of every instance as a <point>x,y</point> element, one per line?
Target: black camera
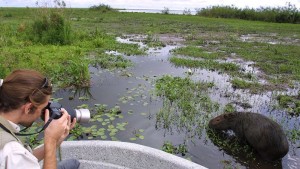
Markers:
<point>81,115</point>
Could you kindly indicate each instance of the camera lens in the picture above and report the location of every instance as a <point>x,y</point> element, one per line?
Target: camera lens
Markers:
<point>81,115</point>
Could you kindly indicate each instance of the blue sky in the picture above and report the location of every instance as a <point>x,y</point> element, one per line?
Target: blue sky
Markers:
<point>156,4</point>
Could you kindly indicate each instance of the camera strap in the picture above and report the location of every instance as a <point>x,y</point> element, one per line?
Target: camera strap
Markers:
<point>27,134</point>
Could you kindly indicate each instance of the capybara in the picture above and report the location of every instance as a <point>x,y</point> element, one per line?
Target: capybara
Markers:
<point>260,132</point>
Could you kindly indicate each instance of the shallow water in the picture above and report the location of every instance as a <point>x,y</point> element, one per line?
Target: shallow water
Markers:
<point>180,12</point>
<point>137,83</point>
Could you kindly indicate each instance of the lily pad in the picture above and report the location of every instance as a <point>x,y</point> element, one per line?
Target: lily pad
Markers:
<point>133,138</point>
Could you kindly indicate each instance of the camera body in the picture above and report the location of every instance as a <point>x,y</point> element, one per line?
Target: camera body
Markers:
<point>81,115</point>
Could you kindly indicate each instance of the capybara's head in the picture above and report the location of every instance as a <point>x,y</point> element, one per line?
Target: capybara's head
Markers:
<point>222,122</point>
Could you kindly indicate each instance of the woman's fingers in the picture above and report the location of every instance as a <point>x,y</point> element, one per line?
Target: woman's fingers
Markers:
<point>73,123</point>
<point>70,123</point>
<point>46,115</point>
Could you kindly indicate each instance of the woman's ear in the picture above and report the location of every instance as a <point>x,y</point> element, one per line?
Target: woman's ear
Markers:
<point>28,108</point>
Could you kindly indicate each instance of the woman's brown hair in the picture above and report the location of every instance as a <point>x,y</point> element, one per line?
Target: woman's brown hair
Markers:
<point>23,86</point>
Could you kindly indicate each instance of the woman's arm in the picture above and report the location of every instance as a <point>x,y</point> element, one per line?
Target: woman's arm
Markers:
<point>53,137</point>
<point>38,152</point>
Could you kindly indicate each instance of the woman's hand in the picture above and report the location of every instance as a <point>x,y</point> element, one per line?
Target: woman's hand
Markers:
<point>70,127</point>
<point>59,129</point>
<point>56,129</point>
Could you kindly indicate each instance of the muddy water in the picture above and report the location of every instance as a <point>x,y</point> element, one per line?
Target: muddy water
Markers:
<point>137,83</point>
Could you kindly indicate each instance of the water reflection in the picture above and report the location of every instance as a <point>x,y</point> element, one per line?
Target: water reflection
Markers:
<point>84,93</point>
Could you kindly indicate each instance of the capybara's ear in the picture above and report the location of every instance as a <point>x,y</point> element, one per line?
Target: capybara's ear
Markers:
<point>228,116</point>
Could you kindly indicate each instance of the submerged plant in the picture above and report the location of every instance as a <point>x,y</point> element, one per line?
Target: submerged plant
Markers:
<point>231,145</point>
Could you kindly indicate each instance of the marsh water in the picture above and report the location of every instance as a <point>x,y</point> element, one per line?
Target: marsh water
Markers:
<point>188,11</point>
<point>132,89</point>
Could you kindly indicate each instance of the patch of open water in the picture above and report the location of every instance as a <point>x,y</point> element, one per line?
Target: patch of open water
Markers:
<point>137,82</point>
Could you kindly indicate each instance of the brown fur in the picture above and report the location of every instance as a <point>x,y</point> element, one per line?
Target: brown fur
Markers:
<point>260,132</point>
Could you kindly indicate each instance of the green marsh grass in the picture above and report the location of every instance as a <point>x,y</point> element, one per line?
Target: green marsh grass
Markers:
<point>186,106</point>
<point>141,23</point>
<point>61,61</point>
<point>279,61</point>
<point>254,87</point>
<point>230,68</point>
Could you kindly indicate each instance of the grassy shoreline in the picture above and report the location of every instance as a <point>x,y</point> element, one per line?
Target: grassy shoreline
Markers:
<point>95,32</point>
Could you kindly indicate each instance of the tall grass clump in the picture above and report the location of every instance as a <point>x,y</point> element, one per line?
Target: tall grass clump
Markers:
<point>51,29</point>
<point>50,25</point>
<point>102,8</point>
<point>286,14</point>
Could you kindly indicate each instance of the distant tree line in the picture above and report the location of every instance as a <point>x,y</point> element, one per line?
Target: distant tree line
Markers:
<point>286,14</point>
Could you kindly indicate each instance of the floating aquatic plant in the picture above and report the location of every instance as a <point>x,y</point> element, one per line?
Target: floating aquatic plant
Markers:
<point>104,126</point>
<point>173,149</point>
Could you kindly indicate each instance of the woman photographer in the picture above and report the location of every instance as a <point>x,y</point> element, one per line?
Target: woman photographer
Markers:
<point>24,94</point>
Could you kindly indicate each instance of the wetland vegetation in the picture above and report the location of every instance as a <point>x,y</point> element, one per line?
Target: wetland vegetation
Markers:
<point>212,66</point>
<point>286,14</point>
